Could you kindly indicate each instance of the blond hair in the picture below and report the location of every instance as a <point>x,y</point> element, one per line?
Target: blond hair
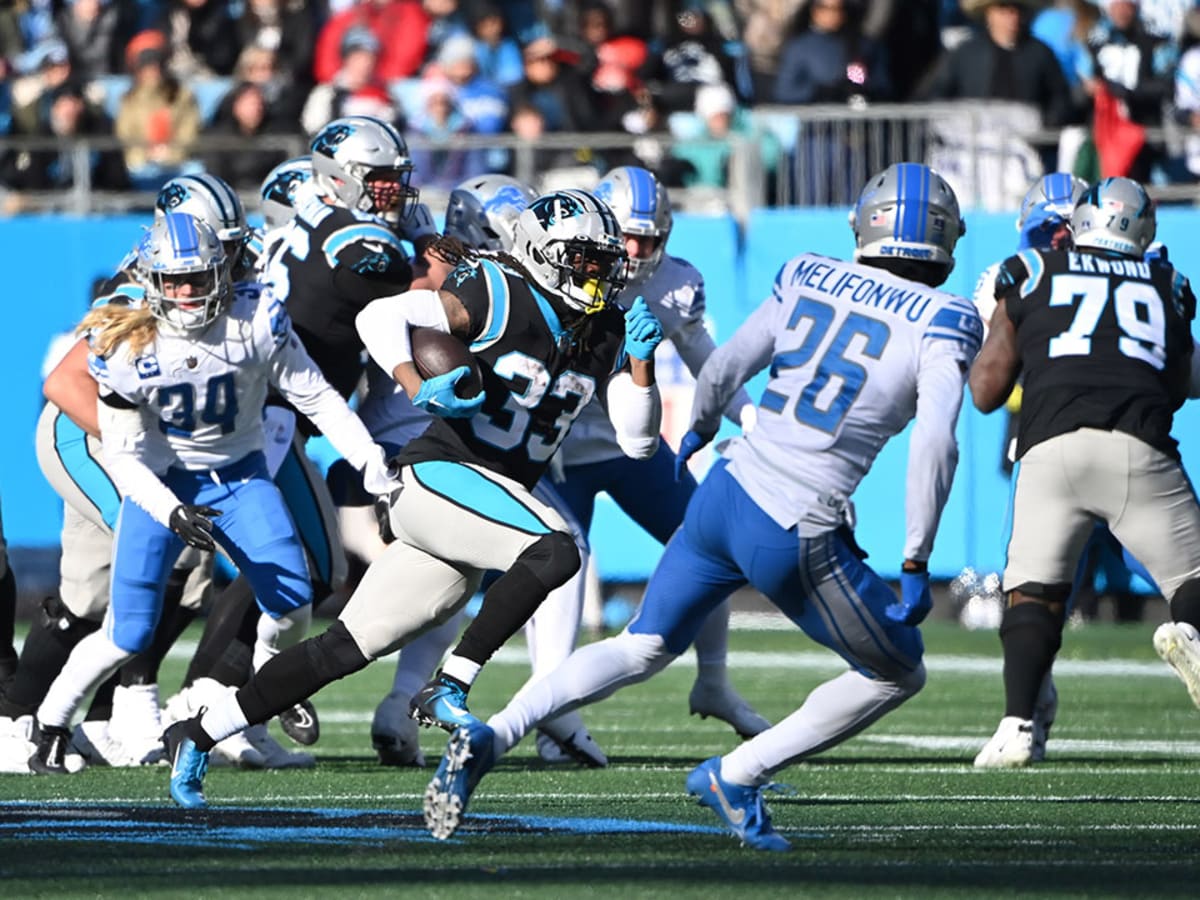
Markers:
<point>113,323</point>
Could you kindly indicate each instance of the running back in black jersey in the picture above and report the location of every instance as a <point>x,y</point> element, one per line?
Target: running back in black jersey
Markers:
<point>1105,342</point>
<point>538,373</point>
<point>329,264</point>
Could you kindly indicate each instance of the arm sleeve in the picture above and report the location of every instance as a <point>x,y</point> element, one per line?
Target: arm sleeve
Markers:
<point>123,437</point>
<point>731,364</point>
<point>695,345</point>
<point>636,415</point>
<point>384,325</point>
<point>933,448</point>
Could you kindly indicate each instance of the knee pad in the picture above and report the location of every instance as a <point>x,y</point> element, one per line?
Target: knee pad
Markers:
<point>912,682</point>
<point>552,559</point>
<point>1185,605</point>
<point>644,653</point>
<point>134,633</point>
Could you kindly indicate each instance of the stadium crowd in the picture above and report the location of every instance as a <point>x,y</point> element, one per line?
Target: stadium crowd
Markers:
<point>165,76</point>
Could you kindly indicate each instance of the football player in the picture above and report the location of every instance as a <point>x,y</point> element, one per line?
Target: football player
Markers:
<point>541,324</point>
<point>182,382</point>
<point>855,350</point>
<point>1102,340</point>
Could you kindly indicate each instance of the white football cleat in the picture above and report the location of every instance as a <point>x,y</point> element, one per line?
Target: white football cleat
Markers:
<point>1011,747</point>
<point>1179,646</point>
<point>396,736</point>
<point>1044,712</point>
<point>566,739</point>
<point>722,702</point>
<point>16,745</point>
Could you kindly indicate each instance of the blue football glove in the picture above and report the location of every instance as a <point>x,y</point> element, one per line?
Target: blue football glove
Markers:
<point>643,332</point>
<point>687,449</point>
<point>915,599</point>
<point>437,396</point>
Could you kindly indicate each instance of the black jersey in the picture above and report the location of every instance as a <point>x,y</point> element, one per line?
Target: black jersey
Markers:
<point>538,374</point>
<point>1102,341</point>
<point>329,263</point>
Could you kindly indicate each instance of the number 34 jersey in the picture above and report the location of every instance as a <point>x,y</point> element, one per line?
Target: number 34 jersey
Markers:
<point>201,395</point>
<point>1105,342</point>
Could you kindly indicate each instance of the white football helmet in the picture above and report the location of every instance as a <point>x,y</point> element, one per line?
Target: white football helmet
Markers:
<point>363,163</point>
<point>1115,214</point>
<point>211,200</point>
<point>279,187</point>
<point>182,266</point>
<point>571,245</point>
<point>483,211</point>
<point>642,207</point>
<point>907,212</point>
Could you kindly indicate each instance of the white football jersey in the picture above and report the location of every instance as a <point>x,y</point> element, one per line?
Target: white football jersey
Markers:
<point>201,395</point>
<point>852,349</point>
<point>985,294</point>
<point>675,294</point>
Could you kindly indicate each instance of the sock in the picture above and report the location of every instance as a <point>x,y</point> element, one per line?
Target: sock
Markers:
<point>551,632</point>
<point>461,671</point>
<point>94,659</point>
<point>275,634</point>
<point>219,722</point>
<point>231,621</point>
<point>1031,634</point>
<point>419,658</point>
<point>712,647</point>
<point>507,605</point>
<point>8,615</point>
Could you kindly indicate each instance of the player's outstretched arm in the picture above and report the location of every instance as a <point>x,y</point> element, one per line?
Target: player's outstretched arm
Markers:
<point>73,390</point>
<point>729,366</point>
<point>996,369</point>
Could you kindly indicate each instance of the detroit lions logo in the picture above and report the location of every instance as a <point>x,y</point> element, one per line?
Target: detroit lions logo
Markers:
<point>604,191</point>
<point>508,197</point>
<point>331,138</point>
<point>171,196</point>
<point>554,207</point>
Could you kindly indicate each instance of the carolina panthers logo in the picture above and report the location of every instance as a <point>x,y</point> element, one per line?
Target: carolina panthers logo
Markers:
<point>508,197</point>
<point>171,196</point>
<point>464,272</point>
<point>329,139</point>
<point>374,262</point>
<point>553,207</point>
<point>283,186</point>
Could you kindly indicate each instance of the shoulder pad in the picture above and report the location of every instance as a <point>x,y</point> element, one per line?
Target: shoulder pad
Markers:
<point>365,247</point>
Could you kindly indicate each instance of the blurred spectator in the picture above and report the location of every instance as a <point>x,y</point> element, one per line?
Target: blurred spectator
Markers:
<point>5,98</point>
<point>202,37</point>
<point>708,155</point>
<point>1064,28</point>
<point>259,66</point>
<point>12,44</point>
<point>35,21</point>
<point>446,20</point>
<point>158,120</point>
<point>356,89</point>
<point>558,93</point>
<point>1004,62</point>
<point>90,30</point>
<point>440,120</point>
<point>482,102</point>
<point>1165,18</point>
<point>65,114</point>
<point>243,115</point>
<point>693,55</point>
<point>399,26</point>
<point>829,60</point>
<point>528,123</point>
<point>52,69</point>
<point>767,25</point>
<point>498,55</point>
<point>1187,94</point>
<point>284,27</point>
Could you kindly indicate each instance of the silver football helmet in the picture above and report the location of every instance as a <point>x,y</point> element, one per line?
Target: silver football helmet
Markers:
<point>363,163</point>
<point>1055,194</point>
<point>278,188</point>
<point>907,211</point>
<point>571,245</point>
<point>212,201</point>
<point>483,211</point>
<point>1115,214</point>
<point>182,266</point>
<point>642,207</point>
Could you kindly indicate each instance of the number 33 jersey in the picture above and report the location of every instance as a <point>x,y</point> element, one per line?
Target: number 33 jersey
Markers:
<point>201,395</point>
<point>1105,342</point>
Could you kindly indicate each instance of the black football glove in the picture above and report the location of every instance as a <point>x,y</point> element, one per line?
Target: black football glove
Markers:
<point>194,525</point>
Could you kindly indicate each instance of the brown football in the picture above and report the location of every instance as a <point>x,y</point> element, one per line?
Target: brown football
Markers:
<point>436,353</point>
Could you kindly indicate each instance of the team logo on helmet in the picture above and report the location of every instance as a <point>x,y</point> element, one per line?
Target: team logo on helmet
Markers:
<point>172,195</point>
<point>281,187</point>
<point>508,196</point>
<point>330,138</point>
<point>552,207</point>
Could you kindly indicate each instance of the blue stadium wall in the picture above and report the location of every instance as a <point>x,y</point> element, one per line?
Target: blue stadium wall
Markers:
<point>53,260</point>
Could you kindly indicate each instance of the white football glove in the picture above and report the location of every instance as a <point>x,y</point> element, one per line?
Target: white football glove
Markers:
<point>379,476</point>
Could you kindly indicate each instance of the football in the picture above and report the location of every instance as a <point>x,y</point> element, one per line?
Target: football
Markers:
<point>436,353</point>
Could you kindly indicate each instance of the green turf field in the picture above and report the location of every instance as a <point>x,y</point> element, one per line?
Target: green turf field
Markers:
<point>898,811</point>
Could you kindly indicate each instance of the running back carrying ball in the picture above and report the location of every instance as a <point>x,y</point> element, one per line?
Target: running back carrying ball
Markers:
<point>436,353</point>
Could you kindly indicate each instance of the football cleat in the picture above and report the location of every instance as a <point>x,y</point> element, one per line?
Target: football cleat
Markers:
<point>566,739</point>
<point>273,754</point>
<point>189,765</point>
<point>740,807</point>
<point>395,736</point>
<point>16,744</point>
<point>96,741</point>
<point>469,756</point>
<point>50,749</point>
<point>1043,718</point>
<point>1179,646</point>
<point>443,703</point>
<point>300,723</point>
<point>724,703</point>
<point>1011,747</point>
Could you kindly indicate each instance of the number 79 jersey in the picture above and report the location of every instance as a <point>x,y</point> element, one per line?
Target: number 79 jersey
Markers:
<point>1101,340</point>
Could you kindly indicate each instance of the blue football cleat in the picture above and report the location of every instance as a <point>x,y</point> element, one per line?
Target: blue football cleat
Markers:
<point>469,756</point>
<point>188,767</point>
<point>741,808</point>
<point>443,703</point>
